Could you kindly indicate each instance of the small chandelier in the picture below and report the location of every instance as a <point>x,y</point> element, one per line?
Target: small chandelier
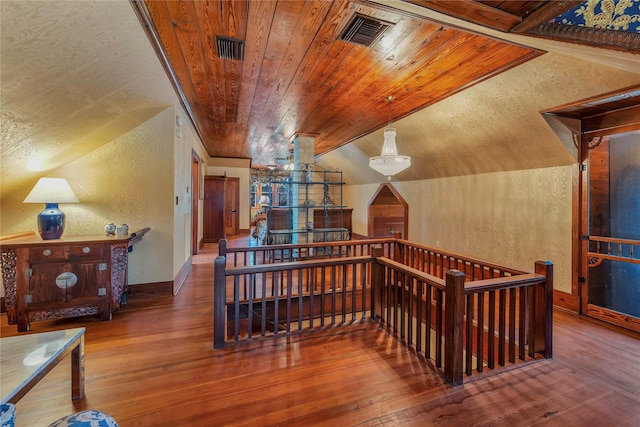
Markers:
<point>389,162</point>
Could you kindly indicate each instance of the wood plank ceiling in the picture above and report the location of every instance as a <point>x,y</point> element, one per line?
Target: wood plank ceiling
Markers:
<point>299,77</point>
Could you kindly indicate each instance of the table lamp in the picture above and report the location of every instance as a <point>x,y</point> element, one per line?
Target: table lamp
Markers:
<point>51,191</point>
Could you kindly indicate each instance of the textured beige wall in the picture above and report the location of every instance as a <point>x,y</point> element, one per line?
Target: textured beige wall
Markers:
<point>129,180</point>
<point>75,75</point>
<point>186,142</point>
<point>512,218</point>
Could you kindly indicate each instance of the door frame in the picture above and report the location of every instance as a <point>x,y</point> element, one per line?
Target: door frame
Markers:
<point>617,118</point>
<point>588,119</point>
<point>610,316</point>
<point>196,190</point>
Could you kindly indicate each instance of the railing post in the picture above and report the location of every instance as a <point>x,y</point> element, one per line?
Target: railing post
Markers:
<point>543,311</point>
<point>222,247</point>
<point>219,301</point>
<point>453,326</point>
<point>377,279</point>
<point>398,251</point>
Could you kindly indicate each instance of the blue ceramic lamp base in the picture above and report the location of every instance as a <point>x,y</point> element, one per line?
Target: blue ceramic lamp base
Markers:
<point>51,222</point>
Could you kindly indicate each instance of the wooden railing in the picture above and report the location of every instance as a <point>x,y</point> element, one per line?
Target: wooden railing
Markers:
<point>614,249</point>
<point>270,254</point>
<point>468,317</point>
<point>437,262</point>
<point>277,254</point>
<point>466,327</point>
<point>272,298</point>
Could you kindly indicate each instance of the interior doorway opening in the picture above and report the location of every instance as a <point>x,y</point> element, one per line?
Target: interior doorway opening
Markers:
<point>605,131</point>
<point>613,281</point>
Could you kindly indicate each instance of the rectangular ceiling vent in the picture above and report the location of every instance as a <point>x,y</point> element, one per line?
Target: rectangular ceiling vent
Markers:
<point>364,30</point>
<point>230,48</point>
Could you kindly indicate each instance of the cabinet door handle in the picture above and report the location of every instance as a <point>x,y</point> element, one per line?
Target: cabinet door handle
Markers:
<point>66,280</point>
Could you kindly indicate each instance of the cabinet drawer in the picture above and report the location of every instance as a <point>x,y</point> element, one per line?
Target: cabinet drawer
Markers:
<point>61,253</point>
<point>85,251</point>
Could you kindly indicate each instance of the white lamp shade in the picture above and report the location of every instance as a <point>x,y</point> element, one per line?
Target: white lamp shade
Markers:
<point>51,190</point>
<point>389,162</point>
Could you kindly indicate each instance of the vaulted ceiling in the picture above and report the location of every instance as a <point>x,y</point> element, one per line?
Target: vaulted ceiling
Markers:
<point>254,74</point>
<point>316,68</point>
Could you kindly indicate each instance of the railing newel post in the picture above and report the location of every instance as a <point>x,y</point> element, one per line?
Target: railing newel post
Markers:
<point>453,327</point>
<point>219,301</point>
<point>543,311</point>
<point>222,248</point>
<point>398,250</point>
<point>377,278</point>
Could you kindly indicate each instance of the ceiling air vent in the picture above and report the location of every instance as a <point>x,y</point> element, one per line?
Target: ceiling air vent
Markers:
<point>230,48</point>
<point>364,30</point>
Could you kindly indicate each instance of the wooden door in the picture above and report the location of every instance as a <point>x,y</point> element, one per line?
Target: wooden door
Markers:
<point>612,276</point>
<point>195,203</point>
<point>231,203</point>
<point>606,140</point>
<point>213,209</point>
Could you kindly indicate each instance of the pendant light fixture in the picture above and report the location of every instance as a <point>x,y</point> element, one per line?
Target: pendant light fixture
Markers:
<point>389,162</point>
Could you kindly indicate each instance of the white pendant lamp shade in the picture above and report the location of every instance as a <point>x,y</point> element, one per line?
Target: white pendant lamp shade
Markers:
<point>389,162</point>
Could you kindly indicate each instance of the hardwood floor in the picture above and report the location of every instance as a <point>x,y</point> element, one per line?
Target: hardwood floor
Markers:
<point>154,365</point>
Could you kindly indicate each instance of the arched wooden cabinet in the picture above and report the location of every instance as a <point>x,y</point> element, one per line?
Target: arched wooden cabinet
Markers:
<point>388,213</point>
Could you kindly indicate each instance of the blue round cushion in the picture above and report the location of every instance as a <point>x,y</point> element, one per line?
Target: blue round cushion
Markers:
<point>7,415</point>
<point>87,418</point>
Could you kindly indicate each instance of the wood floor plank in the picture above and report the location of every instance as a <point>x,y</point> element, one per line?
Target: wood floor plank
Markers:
<point>154,364</point>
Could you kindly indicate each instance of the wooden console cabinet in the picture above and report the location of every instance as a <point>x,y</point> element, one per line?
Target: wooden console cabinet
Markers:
<point>329,224</point>
<point>69,277</point>
<point>333,218</point>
